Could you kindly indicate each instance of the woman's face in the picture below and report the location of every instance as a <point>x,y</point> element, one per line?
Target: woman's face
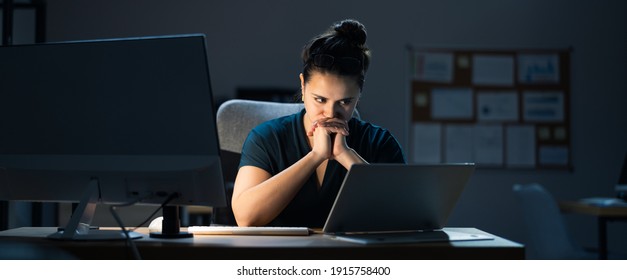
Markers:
<point>329,96</point>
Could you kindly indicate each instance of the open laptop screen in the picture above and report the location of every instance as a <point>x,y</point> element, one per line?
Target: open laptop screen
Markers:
<point>397,197</point>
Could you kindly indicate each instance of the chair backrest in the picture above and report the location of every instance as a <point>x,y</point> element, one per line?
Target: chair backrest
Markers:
<point>237,117</point>
<point>547,236</point>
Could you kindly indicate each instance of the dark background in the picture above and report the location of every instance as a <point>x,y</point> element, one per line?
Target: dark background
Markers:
<point>258,43</point>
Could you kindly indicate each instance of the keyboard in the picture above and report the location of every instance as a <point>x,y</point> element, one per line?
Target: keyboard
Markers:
<point>234,230</point>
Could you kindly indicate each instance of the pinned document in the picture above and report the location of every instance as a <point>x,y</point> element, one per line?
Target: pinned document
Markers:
<point>451,103</point>
<point>543,106</point>
<point>426,143</point>
<point>553,155</point>
<point>520,145</point>
<point>497,70</point>
<point>538,69</point>
<point>497,106</point>
<point>433,67</point>
<point>488,144</point>
<point>459,143</point>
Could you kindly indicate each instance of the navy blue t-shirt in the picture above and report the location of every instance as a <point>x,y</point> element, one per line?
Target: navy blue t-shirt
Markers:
<point>277,144</point>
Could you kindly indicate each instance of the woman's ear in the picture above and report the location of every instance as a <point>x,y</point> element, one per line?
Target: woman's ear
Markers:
<point>302,86</point>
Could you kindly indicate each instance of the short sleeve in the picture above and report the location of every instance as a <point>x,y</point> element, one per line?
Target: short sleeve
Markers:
<point>374,143</point>
<point>273,145</point>
<point>390,151</point>
<point>255,150</point>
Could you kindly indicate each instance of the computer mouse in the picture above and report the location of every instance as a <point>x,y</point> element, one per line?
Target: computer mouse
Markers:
<point>155,225</point>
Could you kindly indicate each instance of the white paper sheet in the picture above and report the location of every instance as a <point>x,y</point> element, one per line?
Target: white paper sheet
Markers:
<point>433,67</point>
<point>493,70</point>
<point>497,106</point>
<point>451,103</point>
<point>543,106</point>
<point>488,144</point>
<point>459,143</point>
<point>521,146</point>
<point>538,69</point>
<point>426,142</point>
<point>553,155</point>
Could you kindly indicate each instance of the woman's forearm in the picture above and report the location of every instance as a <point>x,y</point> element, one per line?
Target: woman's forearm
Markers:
<point>257,199</point>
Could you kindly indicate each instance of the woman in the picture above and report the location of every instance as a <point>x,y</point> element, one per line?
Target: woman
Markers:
<point>292,167</point>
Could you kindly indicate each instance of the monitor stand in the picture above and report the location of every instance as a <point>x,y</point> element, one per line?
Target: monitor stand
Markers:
<point>78,228</point>
<point>171,224</point>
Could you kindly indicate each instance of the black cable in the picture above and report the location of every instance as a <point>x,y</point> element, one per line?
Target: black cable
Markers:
<point>170,198</point>
<point>129,240</point>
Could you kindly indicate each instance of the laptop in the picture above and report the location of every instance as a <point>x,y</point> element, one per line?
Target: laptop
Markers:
<point>399,203</point>
<point>386,203</point>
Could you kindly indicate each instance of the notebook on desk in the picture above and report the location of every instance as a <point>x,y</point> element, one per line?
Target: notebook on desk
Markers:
<point>399,203</point>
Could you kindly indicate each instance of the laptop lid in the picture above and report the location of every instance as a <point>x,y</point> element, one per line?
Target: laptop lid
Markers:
<point>397,197</point>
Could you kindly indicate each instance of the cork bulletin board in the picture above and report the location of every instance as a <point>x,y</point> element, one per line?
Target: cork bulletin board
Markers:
<point>496,108</point>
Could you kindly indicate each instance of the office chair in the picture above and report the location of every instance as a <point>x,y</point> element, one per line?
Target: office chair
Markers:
<point>547,236</point>
<point>235,119</point>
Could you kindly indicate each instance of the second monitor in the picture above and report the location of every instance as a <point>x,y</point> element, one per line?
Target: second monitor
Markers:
<point>111,121</point>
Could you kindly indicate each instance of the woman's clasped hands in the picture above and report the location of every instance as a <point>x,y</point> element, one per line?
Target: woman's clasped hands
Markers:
<point>329,137</point>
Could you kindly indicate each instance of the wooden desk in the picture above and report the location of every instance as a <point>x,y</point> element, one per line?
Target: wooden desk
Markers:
<point>315,246</point>
<point>604,214</point>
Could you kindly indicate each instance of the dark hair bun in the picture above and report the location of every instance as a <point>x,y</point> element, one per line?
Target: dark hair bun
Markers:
<point>352,30</point>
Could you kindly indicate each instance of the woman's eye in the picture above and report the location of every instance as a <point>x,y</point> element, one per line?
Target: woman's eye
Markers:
<point>345,102</point>
<point>319,99</point>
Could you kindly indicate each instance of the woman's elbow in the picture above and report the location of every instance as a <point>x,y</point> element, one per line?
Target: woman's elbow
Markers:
<point>246,220</point>
<point>244,216</point>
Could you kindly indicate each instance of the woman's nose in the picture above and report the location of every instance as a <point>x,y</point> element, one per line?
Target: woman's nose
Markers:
<point>332,111</point>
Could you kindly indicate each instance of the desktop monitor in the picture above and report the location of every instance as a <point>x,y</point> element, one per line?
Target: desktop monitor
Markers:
<point>621,185</point>
<point>109,122</point>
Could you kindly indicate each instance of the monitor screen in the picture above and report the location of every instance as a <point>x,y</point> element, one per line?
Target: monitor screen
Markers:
<point>136,114</point>
<point>621,186</point>
<point>622,180</point>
